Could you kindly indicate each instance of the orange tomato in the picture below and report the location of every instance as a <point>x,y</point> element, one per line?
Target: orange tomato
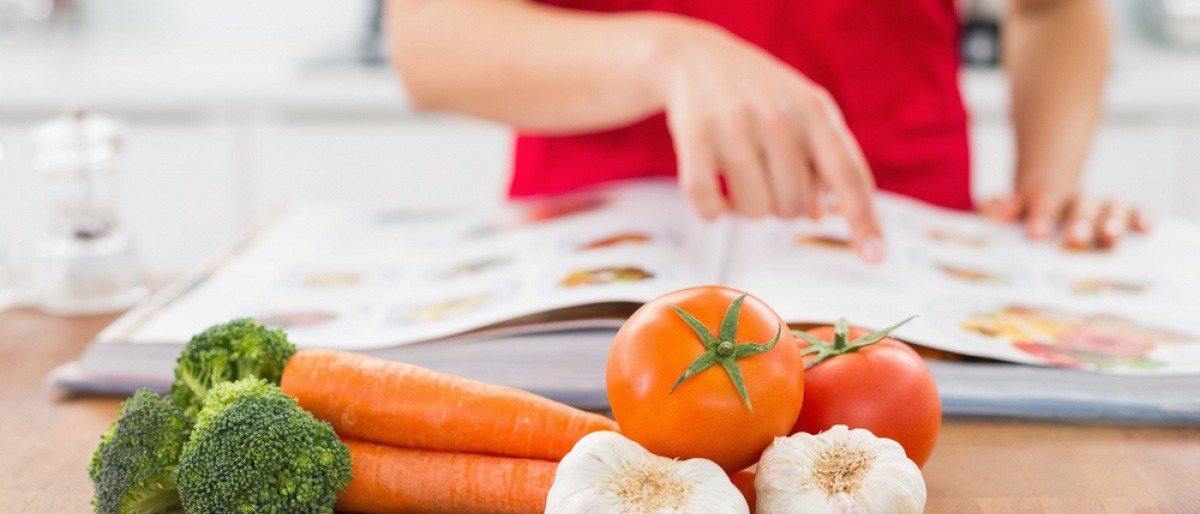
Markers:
<point>883,387</point>
<point>705,414</point>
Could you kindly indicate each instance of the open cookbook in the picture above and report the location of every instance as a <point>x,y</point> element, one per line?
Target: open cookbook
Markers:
<point>368,280</point>
<point>531,294</point>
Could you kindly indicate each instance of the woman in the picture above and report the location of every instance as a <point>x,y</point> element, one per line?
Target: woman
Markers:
<point>756,105</point>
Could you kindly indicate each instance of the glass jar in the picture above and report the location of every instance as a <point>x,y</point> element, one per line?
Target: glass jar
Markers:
<point>86,261</point>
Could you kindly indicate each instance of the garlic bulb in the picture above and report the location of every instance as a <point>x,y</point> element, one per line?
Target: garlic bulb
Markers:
<point>608,474</point>
<point>838,471</point>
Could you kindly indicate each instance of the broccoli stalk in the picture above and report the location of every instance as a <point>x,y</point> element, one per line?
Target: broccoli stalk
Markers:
<point>254,450</point>
<point>134,467</point>
<point>224,353</point>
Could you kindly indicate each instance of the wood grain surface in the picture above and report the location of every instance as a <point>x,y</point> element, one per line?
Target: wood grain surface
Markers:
<point>978,466</point>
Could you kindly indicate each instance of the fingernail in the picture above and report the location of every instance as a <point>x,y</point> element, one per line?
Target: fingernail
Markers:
<point>871,249</point>
<point>1081,230</point>
<point>1144,221</point>
<point>1040,227</point>
<point>1112,226</point>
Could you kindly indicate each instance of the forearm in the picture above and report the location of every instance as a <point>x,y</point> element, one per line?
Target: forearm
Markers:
<point>1057,53</point>
<point>538,68</point>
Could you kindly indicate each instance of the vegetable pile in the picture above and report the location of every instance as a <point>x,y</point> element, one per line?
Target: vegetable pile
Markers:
<point>703,383</point>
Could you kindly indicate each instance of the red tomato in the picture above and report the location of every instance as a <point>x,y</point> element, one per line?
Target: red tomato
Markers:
<point>744,481</point>
<point>884,388</point>
<point>706,415</point>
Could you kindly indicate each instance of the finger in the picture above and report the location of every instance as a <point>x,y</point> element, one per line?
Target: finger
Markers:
<point>1141,221</point>
<point>1115,218</point>
<point>1005,209</point>
<point>817,195</point>
<point>741,160</point>
<point>841,165</point>
<point>787,167</point>
<point>812,196</point>
<point>1081,223</point>
<point>697,168</point>
<point>1043,212</point>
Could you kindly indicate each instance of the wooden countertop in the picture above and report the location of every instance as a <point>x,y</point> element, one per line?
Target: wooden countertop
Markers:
<point>978,467</point>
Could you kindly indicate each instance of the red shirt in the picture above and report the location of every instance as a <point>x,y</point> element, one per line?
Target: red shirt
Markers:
<point>891,65</point>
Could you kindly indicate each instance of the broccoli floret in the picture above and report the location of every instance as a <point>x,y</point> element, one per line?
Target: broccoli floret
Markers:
<point>254,450</point>
<point>95,464</point>
<point>133,469</point>
<point>224,353</point>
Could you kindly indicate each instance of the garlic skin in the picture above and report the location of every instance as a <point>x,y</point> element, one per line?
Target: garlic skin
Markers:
<point>608,474</point>
<point>838,471</point>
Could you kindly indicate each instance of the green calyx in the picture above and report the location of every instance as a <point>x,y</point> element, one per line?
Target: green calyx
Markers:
<point>841,343</point>
<point>722,349</point>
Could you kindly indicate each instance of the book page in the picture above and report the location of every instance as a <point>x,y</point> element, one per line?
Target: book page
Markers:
<point>983,289</point>
<point>356,278</point>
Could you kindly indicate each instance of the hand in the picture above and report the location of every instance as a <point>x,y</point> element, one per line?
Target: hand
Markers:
<point>1087,222</point>
<point>734,111</point>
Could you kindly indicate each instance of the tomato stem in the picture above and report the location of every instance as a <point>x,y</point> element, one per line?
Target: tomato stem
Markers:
<point>839,345</point>
<point>725,349</point>
<point>722,349</point>
<point>841,333</point>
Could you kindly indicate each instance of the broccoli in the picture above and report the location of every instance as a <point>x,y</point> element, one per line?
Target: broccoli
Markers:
<point>224,353</point>
<point>133,469</point>
<point>95,464</point>
<point>254,450</point>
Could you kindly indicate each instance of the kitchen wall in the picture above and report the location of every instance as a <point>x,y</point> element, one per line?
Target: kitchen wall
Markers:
<point>237,108</point>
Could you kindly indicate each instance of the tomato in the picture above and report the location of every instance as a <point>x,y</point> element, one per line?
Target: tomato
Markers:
<point>706,415</point>
<point>884,387</point>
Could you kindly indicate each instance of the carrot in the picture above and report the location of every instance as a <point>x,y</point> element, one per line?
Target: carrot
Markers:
<point>382,401</point>
<point>403,480</point>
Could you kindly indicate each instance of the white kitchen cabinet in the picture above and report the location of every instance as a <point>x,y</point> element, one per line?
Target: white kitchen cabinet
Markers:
<point>402,160</point>
<point>179,191</point>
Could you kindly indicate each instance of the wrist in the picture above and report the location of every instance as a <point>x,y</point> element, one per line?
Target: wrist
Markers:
<point>664,41</point>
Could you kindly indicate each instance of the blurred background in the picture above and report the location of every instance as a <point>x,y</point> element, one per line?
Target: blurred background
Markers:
<point>232,109</point>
